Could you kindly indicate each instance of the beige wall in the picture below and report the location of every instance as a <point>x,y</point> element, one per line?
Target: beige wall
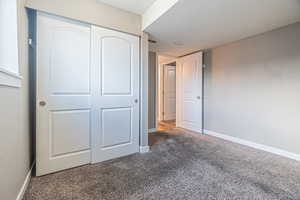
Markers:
<point>91,12</point>
<point>152,91</point>
<point>252,89</point>
<point>15,142</point>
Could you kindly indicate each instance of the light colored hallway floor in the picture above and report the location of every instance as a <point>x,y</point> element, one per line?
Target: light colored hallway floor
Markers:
<point>180,166</point>
<point>166,125</point>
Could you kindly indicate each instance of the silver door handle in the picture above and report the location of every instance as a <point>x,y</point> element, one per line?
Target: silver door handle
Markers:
<point>136,101</point>
<point>43,103</point>
<point>198,97</point>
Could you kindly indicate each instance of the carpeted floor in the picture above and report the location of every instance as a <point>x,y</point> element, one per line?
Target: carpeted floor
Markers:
<point>180,166</point>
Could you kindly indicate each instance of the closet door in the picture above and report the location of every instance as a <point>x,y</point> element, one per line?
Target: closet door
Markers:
<point>64,95</point>
<point>115,130</point>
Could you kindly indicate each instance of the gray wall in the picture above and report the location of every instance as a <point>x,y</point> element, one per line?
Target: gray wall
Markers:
<point>144,89</point>
<point>252,89</point>
<point>152,91</point>
<point>15,143</point>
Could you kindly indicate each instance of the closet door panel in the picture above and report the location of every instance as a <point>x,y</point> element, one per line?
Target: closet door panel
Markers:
<point>116,125</point>
<point>63,94</point>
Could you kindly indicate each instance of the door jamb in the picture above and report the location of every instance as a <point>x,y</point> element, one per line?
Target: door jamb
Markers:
<point>158,67</point>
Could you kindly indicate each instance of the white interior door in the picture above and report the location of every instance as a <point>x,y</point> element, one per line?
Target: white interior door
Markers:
<point>64,95</point>
<point>190,96</point>
<point>116,120</point>
<point>169,92</point>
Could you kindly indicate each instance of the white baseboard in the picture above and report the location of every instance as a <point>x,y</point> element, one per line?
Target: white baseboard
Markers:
<point>190,128</point>
<point>144,149</point>
<point>262,147</point>
<point>25,184</point>
<point>152,130</point>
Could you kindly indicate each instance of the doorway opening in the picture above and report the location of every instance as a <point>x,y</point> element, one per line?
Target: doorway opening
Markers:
<point>167,96</point>
<point>179,93</point>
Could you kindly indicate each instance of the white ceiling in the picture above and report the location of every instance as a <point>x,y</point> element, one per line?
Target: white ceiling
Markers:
<point>135,6</point>
<point>201,24</point>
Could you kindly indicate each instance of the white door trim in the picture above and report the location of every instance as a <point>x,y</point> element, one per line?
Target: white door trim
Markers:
<point>157,115</point>
<point>159,88</point>
<point>144,149</point>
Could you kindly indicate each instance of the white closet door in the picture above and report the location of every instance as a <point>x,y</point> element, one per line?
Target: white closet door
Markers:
<point>115,128</point>
<point>169,92</point>
<point>190,96</point>
<point>64,95</point>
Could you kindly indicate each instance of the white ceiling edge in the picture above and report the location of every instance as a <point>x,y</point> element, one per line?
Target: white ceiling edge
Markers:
<point>149,10</point>
<point>156,10</point>
<point>135,6</point>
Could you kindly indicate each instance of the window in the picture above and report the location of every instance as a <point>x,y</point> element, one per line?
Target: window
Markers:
<point>9,37</point>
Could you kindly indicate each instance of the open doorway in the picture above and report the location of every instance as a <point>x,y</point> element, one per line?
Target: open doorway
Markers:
<point>178,93</point>
<point>167,95</point>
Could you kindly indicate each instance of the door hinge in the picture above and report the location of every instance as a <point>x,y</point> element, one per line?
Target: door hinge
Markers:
<point>204,66</point>
<point>30,42</point>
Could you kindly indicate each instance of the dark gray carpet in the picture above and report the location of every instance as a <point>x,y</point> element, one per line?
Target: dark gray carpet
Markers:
<point>179,167</point>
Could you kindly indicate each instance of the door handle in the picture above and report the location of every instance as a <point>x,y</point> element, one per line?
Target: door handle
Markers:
<point>43,103</point>
<point>198,97</point>
<point>136,101</point>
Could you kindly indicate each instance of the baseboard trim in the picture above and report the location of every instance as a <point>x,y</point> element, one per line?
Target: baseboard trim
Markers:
<point>196,130</point>
<point>262,147</point>
<point>144,149</point>
<point>152,130</point>
<point>25,184</point>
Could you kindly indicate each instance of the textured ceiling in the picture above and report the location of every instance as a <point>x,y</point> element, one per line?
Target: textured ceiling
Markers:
<point>192,25</point>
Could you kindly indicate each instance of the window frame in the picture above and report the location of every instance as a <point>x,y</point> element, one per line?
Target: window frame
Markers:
<point>10,73</point>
